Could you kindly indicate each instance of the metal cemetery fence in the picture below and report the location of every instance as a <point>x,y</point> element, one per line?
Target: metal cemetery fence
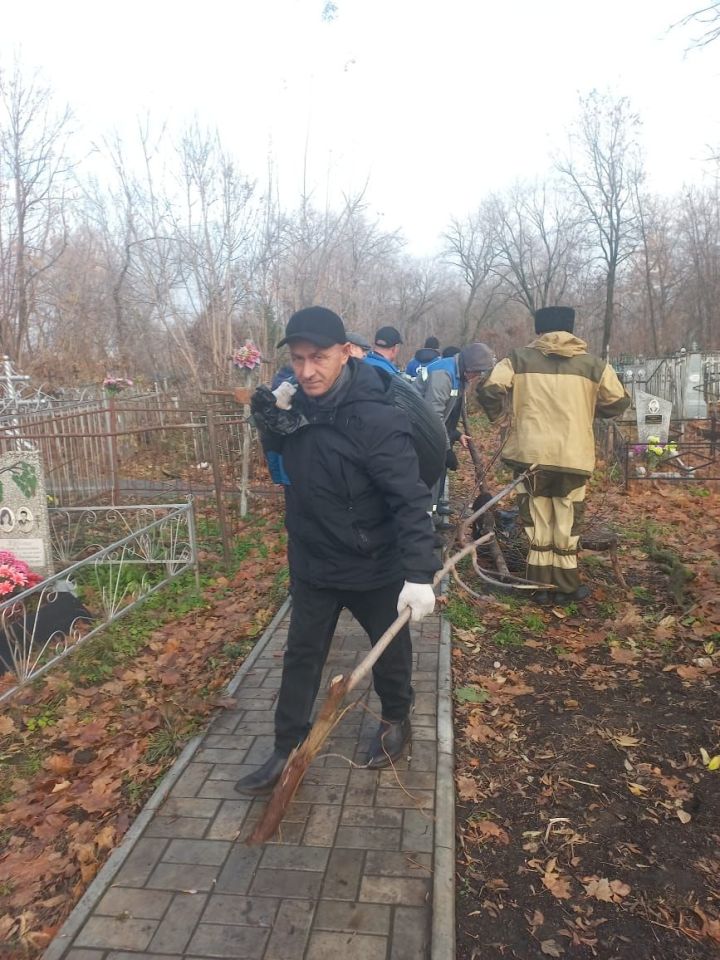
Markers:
<point>690,381</point>
<point>149,546</point>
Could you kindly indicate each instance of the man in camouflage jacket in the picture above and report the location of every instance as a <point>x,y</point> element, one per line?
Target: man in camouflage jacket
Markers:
<point>554,389</point>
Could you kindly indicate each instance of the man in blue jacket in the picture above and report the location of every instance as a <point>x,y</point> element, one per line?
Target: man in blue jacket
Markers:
<point>359,534</point>
<point>385,350</point>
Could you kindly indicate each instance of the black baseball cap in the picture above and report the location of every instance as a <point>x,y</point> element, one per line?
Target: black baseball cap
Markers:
<point>387,337</point>
<point>318,325</point>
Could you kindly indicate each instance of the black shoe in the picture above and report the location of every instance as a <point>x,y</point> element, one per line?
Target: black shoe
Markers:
<point>389,743</point>
<point>443,509</point>
<point>542,597</point>
<point>582,593</point>
<point>262,780</point>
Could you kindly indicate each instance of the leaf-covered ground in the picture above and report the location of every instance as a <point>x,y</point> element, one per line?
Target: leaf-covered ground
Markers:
<point>587,746</point>
<point>82,749</point>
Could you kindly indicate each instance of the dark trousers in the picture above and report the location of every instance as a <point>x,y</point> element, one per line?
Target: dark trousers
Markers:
<point>313,619</point>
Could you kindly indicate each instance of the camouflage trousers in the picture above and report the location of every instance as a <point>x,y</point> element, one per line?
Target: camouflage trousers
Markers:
<point>552,505</point>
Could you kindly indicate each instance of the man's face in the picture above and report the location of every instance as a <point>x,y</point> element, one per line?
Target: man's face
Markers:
<point>317,368</point>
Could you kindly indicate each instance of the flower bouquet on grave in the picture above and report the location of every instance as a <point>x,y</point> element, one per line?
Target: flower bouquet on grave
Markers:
<point>15,575</point>
<point>247,357</point>
<point>114,385</point>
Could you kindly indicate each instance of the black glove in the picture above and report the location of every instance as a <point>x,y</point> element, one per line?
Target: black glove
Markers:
<point>451,461</point>
<point>269,417</point>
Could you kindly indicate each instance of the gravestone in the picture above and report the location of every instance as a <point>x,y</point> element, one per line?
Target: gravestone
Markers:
<point>653,417</point>
<point>24,523</point>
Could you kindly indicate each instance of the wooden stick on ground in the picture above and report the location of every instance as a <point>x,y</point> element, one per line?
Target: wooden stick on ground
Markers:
<point>333,710</point>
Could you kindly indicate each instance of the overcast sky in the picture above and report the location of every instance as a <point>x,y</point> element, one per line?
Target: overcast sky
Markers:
<point>433,103</point>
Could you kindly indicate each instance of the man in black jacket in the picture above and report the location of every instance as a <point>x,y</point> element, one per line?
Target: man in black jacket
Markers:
<point>359,533</point>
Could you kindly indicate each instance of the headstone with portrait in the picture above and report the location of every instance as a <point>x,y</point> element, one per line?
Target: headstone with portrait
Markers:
<point>24,523</point>
<point>653,417</point>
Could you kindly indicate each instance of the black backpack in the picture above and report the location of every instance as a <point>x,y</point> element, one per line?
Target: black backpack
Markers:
<point>429,436</point>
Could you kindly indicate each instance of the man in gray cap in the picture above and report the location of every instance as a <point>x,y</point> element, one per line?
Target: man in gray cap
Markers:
<point>443,386</point>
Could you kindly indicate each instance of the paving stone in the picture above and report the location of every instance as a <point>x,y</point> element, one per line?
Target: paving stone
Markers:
<point>424,756</point>
<point>398,890</point>
<point>227,722</point>
<point>141,904</point>
<point>228,940</point>
<point>252,678</point>
<point>330,946</point>
<point>322,825</point>
<point>290,930</point>
<point>190,780</point>
<point>227,771</point>
<point>176,827</point>
<point>178,924</point>
<point>223,789</point>
<point>410,934</point>
<point>335,776</point>
<point>184,807</point>
<point>260,750</point>
<point>370,817</point>
<point>227,741</point>
<point>210,852</point>
<point>239,868</point>
<point>427,661</point>
<point>390,863</point>
<point>360,917</point>
<point>368,838</point>
<point>223,755</point>
<point>287,883</point>
<point>361,788</point>
<point>424,733</point>
<point>266,704</point>
<point>418,799</point>
<point>183,876</point>
<point>141,862</point>
<point>118,933</point>
<point>257,728</point>
<point>246,911</point>
<point>228,820</point>
<point>85,955</point>
<point>294,858</point>
<point>321,793</point>
<point>410,779</point>
<point>417,831</point>
<point>125,955</point>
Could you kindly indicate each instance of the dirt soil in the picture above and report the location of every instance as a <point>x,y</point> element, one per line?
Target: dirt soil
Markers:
<point>588,743</point>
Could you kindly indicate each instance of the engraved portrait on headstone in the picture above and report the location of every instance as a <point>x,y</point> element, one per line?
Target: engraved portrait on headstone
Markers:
<point>24,525</point>
<point>653,417</point>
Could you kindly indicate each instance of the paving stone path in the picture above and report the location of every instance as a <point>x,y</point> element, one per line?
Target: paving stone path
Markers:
<point>350,877</point>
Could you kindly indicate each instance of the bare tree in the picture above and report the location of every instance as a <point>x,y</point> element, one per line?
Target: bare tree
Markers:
<point>709,17</point>
<point>34,180</point>
<point>604,168</point>
<point>469,247</point>
<point>538,242</point>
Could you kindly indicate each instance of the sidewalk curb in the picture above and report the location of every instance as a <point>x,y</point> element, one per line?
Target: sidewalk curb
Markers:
<point>443,917</point>
<point>64,937</point>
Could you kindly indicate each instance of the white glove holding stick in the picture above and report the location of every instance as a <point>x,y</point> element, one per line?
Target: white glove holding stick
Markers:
<point>420,597</point>
<point>284,394</point>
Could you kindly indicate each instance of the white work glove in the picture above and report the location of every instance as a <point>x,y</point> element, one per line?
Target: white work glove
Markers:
<point>420,597</point>
<point>284,394</point>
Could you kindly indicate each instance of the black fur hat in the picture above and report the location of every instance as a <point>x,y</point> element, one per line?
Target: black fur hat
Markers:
<point>550,319</point>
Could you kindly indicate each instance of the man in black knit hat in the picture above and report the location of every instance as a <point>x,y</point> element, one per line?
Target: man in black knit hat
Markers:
<point>554,389</point>
<point>359,534</point>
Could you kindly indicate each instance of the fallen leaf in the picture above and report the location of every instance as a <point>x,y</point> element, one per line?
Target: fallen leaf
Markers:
<point>558,885</point>
<point>7,725</point>
<point>625,741</point>
<point>551,948</point>
<point>714,763</point>
<point>637,789</point>
<point>488,828</point>
<point>683,816</point>
<point>467,788</point>
<point>470,694</point>
<point>61,785</point>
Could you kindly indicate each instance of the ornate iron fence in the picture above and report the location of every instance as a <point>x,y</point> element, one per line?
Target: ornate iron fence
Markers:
<point>159,544</point>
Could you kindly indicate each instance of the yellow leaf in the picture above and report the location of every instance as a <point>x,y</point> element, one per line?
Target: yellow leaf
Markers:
<point>714,764</point>
<point>625,741</point>
<point>637,789</point>
<point>705,756</point>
